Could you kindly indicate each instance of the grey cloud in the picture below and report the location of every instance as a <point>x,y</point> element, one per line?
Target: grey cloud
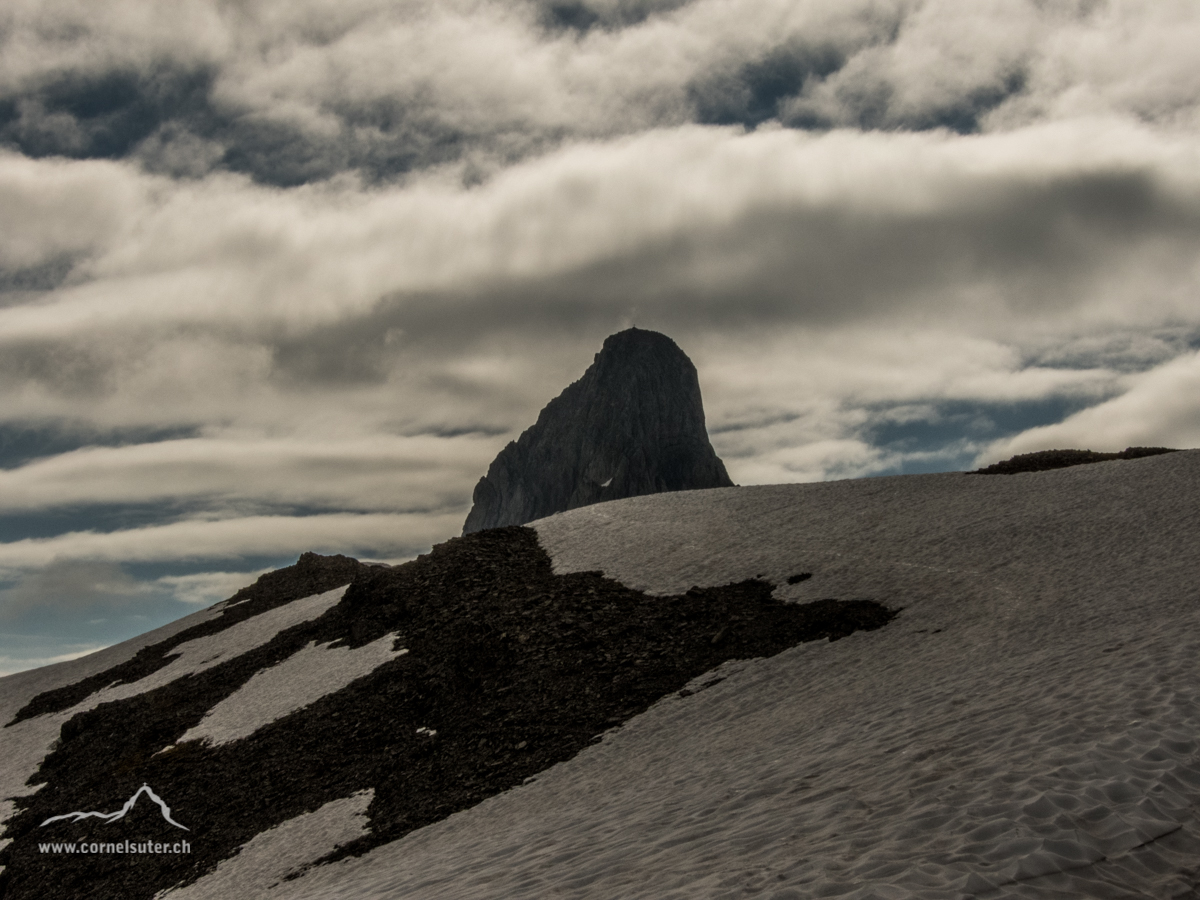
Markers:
<point>49,520</point>
<point>764,88</point>
<point>73,587</point>
<point>777,79</point>
<point>282,154</point>
<point>941,65</point>
<point>382,139</point>
<point>175,150</point>
<point>23,441</point>
<point>167,117</point>
<point>184,113</point>
<point>43,276</point>
<point>831,265</point>
<point>1156,409</point>
<point>870,102</point>
<point>1125,59</point>
<point>56,214</point>
<point>1124,353</point>
<point>1044,248</point>
<point>361,89</point>
<point>583,15</point>
<point>105,114</point>
<point>194,133</point>
<point>242,475</point>
<point>74,368</point>
<point>240,537</point>
<point>349,353</point>
<point>290,292</point>
<point>70,607</point>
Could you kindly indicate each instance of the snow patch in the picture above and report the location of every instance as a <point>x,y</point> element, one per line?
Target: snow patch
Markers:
<point>265,861</point>
<point>299,681</point>
<point>27,743</point>
<point>214,649</point>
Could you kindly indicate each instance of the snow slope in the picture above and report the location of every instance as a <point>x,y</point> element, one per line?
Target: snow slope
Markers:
<point>26,743</point>
<point>1027,728</point>
<point>298,681</point>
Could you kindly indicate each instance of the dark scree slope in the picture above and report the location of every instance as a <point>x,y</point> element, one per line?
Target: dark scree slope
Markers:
<point>632,425</point>
<point>514,667</point>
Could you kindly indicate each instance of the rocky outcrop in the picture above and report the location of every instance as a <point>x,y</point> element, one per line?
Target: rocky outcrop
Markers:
<point>1046,460</point>
<point>632,425</point>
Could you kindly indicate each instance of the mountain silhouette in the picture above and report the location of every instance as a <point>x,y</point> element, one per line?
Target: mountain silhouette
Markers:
<point>632,425</point>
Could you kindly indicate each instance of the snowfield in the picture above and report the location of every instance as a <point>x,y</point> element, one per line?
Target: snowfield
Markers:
<point>1029,726</point>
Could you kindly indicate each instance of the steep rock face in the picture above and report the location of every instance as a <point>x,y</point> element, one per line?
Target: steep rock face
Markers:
<point>632,425</point>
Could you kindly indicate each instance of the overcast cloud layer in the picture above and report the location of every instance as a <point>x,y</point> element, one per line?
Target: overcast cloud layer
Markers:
<point>280,276</point>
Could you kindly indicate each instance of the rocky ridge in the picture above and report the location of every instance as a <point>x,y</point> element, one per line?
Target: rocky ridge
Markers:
<point>1047,460</point>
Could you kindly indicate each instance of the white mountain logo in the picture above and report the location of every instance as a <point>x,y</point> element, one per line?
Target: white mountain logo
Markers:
<point>120,814</point>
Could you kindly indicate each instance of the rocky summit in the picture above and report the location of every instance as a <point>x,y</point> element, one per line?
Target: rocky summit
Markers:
<point>632,425</point>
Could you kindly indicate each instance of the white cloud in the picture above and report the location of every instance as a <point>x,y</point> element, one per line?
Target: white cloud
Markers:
<point>380,534</point>
<point>798,405</point>
<point>368,473</point>
<point>385,86</point>
<point>948,59</point>
<point>206,588</point>
<point>226,253</point>
<point>55,208</point>
<point>490,193</point>
<point>1129,57</point>
<point>1159,408</point>
<point>896,267</point>
<point>74,586</point>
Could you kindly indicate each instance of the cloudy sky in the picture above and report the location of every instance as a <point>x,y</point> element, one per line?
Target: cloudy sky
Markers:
<point>280,275</point>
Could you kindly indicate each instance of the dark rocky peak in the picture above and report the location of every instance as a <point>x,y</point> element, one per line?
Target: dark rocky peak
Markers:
<point>632,425</point>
